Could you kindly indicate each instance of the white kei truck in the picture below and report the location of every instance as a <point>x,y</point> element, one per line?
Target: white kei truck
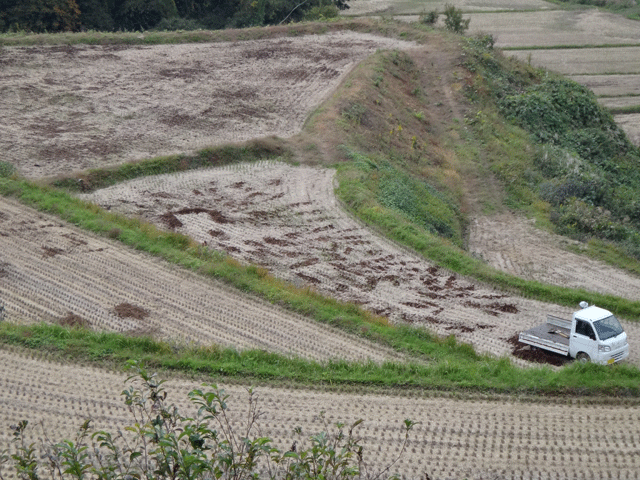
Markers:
<point>592,335</point>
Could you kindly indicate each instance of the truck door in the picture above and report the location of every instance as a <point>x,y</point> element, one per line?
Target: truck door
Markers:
<point>583,339</point>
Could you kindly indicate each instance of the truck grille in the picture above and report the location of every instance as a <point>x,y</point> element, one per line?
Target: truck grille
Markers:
<point>618,356</point>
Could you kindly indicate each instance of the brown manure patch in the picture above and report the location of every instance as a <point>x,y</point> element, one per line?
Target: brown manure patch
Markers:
<point>51,251</point>
<point>170,220</point>
<point>535,355</point>
<point>126,310</point>
<point>73,320</point>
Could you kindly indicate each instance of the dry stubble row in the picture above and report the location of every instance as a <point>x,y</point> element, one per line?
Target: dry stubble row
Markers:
<point>50,270</point>
<point>455,438</point>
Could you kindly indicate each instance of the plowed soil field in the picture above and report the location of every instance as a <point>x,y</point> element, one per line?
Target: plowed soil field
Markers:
<point>475,439</point>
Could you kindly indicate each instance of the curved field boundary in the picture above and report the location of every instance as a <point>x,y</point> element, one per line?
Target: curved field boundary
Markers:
<point>287,219</point>
<point>51,271</point>
<point>454,438</point>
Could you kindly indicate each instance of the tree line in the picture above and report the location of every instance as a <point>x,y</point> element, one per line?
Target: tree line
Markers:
<point>41,16</point>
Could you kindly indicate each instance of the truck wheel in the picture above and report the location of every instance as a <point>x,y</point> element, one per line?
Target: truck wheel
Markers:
<point>583,357</point>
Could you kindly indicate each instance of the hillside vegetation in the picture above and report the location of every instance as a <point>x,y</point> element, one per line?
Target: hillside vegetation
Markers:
<point>41,16</point>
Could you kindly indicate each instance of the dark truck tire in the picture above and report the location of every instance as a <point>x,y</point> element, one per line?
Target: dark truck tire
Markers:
<point>583,357</point>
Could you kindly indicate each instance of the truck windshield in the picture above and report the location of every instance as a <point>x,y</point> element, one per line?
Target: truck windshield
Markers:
<point>608,327</point>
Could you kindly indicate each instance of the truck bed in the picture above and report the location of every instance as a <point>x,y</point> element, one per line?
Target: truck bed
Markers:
<point>548,337</point>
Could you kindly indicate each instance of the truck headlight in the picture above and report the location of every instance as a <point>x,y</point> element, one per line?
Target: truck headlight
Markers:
<point>604,348</point>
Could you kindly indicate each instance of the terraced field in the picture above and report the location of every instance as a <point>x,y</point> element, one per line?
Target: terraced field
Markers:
<point>72,108</point>
<point>287,219</point>
<point>51,271</point>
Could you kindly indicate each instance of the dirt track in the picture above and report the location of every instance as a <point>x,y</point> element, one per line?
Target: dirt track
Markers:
<point>455,439</point>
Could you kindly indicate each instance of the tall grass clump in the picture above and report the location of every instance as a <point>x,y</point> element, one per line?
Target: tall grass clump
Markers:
<point>369,182</point>
<point>7,169</point>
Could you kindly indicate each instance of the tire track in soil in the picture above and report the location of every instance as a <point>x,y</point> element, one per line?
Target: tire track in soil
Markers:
<point>288,220</point>
<point>474,438</point>
<point>89,277</point>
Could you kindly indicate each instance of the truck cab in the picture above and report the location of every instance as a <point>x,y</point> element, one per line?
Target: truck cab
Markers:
<point>596,335</point>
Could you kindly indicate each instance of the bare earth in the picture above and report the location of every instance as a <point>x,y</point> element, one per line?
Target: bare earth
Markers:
<point>70,108</point>
<point>476,439</point>
<point>515,245</point>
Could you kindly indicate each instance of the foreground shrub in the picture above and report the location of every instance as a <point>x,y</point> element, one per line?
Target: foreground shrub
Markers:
<point>7,169</point>
<point>453,19</point>
<point>161,443</point>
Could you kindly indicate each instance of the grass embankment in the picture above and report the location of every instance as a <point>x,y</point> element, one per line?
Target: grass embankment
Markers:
<point>625,110</point>
<point>452,367</point>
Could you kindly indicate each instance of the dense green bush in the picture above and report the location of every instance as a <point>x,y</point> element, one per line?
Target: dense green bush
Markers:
<point>418,201</point>
<point>429,18</point>
<point>144,14</point>
<point>6,169</point>
<point>128,15</point>
<point>162,443</point>
<point>561,111</point>
<point>322,12</point>
<point>39,15</point>
<point>413,198</point>
<point>177,23</point>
